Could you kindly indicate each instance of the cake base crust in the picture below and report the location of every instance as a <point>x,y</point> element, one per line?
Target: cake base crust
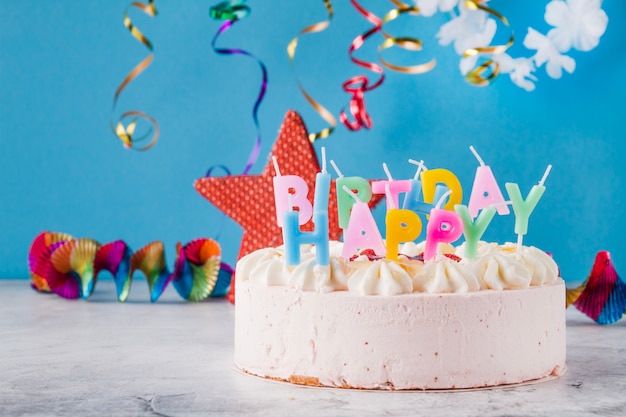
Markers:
<point>414,341</point>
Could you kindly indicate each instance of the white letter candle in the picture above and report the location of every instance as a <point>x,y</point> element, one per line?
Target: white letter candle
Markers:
<point>485,191</point>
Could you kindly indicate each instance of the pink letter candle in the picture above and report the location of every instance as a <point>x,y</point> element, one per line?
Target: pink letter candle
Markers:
<point>362,231</point>
<point>291,191</point>
<point>395,188</point>
<point>443,226</point>
<point>485,190</point>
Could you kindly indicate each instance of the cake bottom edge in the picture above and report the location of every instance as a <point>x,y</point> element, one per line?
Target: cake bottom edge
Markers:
<point>314,382</point>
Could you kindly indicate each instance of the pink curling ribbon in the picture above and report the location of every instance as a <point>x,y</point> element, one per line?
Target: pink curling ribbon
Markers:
<point>357,86</point>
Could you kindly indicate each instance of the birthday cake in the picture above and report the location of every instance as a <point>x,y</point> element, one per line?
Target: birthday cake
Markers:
<point>372,323</point>
<point>374,313</point>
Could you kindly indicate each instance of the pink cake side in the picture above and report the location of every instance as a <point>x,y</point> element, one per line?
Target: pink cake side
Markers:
<point>409,341</point>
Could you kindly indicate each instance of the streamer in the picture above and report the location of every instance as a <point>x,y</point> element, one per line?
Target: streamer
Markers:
<point>231,12</point>
<point>70,267</point>
<point>484,73</point>
<point>407,43</point>
<point>357,86</point>
<point>291,53</point>
<point>125,132</point>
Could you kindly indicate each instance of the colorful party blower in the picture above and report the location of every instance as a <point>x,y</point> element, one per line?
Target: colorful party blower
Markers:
<point>603,294</point>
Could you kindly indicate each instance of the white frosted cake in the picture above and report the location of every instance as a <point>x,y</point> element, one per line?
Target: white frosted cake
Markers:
<point>373,323</point>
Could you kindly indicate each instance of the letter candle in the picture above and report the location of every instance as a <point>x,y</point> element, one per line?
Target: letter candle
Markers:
<point>416,186</point>
<point>290,191</point>
<point>443,226</point>
<point>362,231</point>
<point>402,226</point>
<point>432,177</point>
<point>394,187</point>
<point>322,187</point>
<point>485,190</point>
<point>293,237</point>
<point>473,230</point>
<point>344,200</point>
<point>523,208</point>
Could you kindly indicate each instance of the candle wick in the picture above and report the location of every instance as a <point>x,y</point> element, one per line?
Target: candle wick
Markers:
<point>420,167</point>
<point>442,199</point>
<point>386,168</point>
<point>392,204</point>
<point>336,168</point>
<point>324,159</point>
<point>276,166</point>
<point>480,160</point>
<point>349,191</point>
<point>545,175</point>
<point>520,237</point>
<point>289,202</point>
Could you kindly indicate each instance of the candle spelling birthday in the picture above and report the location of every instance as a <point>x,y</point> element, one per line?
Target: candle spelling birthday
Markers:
<point>435,193</point>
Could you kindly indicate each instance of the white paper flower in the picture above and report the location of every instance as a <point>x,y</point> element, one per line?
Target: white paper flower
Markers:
<point>520,70</point>
<point>471,29</point>
<point>547,53</point>
<point>577,23</point>
<point>430,7</point>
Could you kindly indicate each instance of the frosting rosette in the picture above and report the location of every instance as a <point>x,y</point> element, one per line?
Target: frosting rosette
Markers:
<point>309,276</point>
<point>543,269</point>
<point>445,275</point>
<point>264,266</point>
<point>378,277</point>
<point>500,272</point>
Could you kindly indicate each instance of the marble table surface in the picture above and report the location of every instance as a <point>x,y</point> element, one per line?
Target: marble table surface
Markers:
<point>172,358</point>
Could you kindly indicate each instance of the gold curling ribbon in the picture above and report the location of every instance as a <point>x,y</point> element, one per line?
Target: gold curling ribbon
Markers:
<point>486,72</point>
<point>291,52</point>
<point>407,43</point>
<point>125,133</point>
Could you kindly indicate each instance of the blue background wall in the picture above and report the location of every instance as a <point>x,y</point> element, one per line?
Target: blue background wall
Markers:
<point>63,170</point>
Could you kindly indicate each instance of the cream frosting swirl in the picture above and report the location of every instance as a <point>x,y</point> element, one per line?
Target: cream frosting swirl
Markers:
<point>378,277</point>
<point>445,275</point>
